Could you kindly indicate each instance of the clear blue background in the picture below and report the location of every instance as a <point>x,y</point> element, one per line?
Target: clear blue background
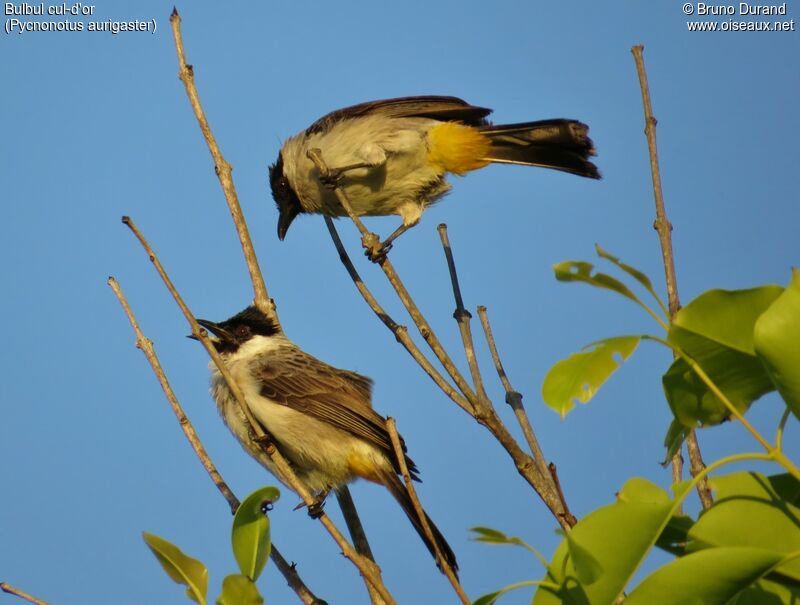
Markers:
<point>95,126</point>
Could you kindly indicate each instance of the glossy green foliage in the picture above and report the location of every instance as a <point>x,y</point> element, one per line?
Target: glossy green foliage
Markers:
<point>239,590</point>
<point>777,343</point>
<point>744,550</point>
<point>716,331</point>
<point>250,536</point>
<point>606,547</point>
<point>577,378</point>
<point>182,568</point>
<point>250,540</point>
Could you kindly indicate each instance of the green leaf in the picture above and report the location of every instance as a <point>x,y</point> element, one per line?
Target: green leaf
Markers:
<point>727,317</point>
<point>250,536</point>
<point>766,592</point>
<point>182,568</point>
<point>581,271</point>
<point>489,599</point>
<point>587,568</point>
<point>618,536</point>
<point>578,377</point>
<point>749,511</point>
<point>739,376</point>
<point>634,273</point>
<point>490,536</point>
<point>676,535</point>
<point>716,330</point>
<point>777,343</point>
<point>239,590</point>
<point>787,487</point>
<point>709,577</point>
<point>673,440</point>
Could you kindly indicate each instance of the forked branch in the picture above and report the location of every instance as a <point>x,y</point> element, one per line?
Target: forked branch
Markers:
<point>471,398</point>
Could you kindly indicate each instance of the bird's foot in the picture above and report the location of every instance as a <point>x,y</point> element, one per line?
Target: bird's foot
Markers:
<point>332,179</point>
<point>315,508</point>
<point>374,249</point>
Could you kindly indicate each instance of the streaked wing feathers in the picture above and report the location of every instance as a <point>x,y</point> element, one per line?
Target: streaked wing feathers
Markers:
<point>434,107</point>
<point>337,397</point>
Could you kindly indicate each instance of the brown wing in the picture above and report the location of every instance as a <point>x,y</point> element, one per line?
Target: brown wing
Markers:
<point>337,397</point>
<point>434,107</point>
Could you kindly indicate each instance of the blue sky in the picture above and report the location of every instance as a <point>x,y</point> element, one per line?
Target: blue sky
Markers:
<point>96,126</point>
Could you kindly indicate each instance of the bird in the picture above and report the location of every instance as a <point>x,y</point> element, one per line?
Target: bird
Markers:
<point>392,156</point>
<point>320,418</point>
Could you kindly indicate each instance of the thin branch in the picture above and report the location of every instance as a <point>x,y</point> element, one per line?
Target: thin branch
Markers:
<point>357,533</point>
<point>345,500</point>
<point>369,571</point>
<point>146,346</point>
<point>696,466</point>
<point>513,397</point>
<point>462,317</point>
<point>568,516</point>
<point>6,587</point>
<point>426,331</point>
<point>224,174</point>
<point>527,467</point>
<point>662,225</point>
<point>292,578</point>
<point>391,427</point>
<point>400,332</point>
<point>664,229</point>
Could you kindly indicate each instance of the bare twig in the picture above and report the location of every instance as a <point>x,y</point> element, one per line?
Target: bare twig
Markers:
<point>569,518</point>
<point>530,470</point>
<point>6,587</point>
<point>357,533</point>
<point>400,332</point>
<point>146,346</point>
<point>664,229</point>
<point>224,173</point>
<point>513,398</point>
<point>462,317</point>
<point>345,500</point>
<point>391,427</point>
<point>369,571</point>
<point>292,578</point>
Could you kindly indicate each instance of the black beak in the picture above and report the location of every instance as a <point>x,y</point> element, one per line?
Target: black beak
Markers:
<point>220,333</point>
<point>284,220</point>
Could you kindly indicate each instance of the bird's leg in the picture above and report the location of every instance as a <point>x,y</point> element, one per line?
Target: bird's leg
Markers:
<point>333,178</point>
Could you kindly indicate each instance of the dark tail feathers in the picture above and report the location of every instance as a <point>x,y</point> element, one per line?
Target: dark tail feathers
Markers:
<point>400,493</point>
<point>558,144</point>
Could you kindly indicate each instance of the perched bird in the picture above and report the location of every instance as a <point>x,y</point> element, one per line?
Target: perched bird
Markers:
<point>319,417</point>
<point>392,156</point>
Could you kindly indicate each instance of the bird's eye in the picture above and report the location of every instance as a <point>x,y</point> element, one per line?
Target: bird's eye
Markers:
<point>242,331</point>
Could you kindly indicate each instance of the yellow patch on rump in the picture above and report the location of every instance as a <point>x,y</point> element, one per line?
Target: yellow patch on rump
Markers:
<point>363,466</point>
<point>454,147</point>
